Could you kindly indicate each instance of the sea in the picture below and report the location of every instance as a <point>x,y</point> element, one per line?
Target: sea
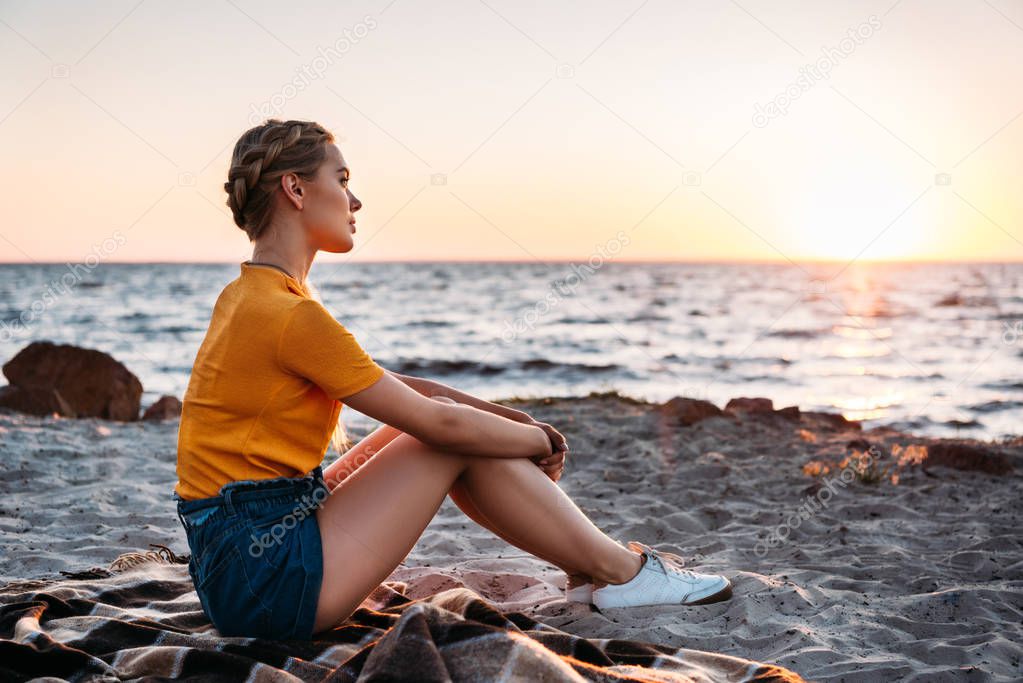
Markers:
<point>935,348</point>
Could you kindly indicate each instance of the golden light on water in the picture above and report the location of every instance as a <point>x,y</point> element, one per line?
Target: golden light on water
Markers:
<point>866,407</point>
<point>851,332</point>
<point>861,350</point>
<point>858,339</point>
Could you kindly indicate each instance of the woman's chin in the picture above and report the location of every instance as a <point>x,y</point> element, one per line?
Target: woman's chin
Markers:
<point>342,247</point>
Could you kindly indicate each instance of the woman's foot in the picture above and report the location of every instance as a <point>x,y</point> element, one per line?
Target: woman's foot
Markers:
<point>579,588</point>
<point>662,581</point>
<point>632,563</point>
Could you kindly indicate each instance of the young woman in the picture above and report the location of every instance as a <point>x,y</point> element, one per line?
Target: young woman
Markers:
<point>282,548</point>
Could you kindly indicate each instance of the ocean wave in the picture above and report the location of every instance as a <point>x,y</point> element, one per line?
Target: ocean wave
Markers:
<point>137,315</point>
<point>1004,385</point>
<point>441,367</point>
<point>179,329</point>
<point>424,366</point>
<point>648,318</point>
<point>796,333</point>
<point>995,406</point>
<point>547,365</point>
<point>341,286</point>
<point>573,320</point>
<point>956,299</point>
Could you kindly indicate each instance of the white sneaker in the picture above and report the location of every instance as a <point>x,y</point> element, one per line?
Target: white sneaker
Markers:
<point>661,581</point>
<point>583,593</point>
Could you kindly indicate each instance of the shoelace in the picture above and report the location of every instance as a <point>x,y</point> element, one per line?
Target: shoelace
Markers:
<point>677,563</point>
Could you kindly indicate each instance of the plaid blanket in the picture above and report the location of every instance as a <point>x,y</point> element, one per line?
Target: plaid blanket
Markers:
<point>145,621</point>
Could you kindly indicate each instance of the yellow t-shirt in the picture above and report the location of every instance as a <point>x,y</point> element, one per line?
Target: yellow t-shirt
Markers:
<point>263,396</point>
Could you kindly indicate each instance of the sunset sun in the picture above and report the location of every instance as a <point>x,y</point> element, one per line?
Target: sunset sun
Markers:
<point>840,219</point>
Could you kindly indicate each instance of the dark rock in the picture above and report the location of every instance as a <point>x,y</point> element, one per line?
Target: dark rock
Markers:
<point>831,420</point>
<point>166,408</point>
<point>689,410</point>
<point>750,405</point>
<point>34,401</point>
<point>964,456</point>
<point>91,382</point>
<point>614,396</point>
<point>858,445</point>
<point>789,413</point>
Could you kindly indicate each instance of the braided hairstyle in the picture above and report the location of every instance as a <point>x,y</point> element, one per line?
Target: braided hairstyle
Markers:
<point>261,157</point>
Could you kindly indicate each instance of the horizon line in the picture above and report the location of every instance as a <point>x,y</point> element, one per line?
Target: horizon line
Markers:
<point>553,261</point>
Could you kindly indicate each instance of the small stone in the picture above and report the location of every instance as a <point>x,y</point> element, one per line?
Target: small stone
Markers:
<point>165,408</point>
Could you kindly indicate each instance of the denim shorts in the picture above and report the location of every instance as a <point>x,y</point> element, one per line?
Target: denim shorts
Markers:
<point>257,560</point>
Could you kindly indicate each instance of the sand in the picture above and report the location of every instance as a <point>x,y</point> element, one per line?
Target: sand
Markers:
<point>922,580</point>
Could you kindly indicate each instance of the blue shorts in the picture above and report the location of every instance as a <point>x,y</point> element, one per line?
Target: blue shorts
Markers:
<point>257,560</point>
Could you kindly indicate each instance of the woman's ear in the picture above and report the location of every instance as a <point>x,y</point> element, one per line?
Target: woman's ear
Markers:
<point>291,186</point>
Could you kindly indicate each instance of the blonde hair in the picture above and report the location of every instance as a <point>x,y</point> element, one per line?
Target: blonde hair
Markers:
<point>261,156</point>
<point>339,437</point>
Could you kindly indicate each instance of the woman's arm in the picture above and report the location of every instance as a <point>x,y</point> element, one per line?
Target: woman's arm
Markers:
<point>428,387</point>
<point>453,426</point>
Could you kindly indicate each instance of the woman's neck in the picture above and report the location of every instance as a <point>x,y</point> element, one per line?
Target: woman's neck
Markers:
<point>254,262</point>
<point>294,265</point>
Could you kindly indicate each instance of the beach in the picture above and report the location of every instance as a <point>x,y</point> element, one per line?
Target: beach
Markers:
<point>761,264</point>
<point>840,573</point>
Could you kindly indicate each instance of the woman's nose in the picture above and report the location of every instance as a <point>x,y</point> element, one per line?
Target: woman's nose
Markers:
<point>354,202</point>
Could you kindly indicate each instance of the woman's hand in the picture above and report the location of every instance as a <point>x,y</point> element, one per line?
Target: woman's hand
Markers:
<point>552,465</point>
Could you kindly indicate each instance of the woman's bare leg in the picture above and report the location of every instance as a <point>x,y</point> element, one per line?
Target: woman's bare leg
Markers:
<point>463,500</point>
<point>360,453</point>
<point>524,507</point>
<point>370,523</point>
<point>356,456</point>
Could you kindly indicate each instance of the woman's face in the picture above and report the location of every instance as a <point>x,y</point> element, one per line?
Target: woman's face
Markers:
<point>329,207</point>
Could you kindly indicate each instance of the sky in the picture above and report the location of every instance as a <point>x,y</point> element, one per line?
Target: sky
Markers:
<point>495,130</point>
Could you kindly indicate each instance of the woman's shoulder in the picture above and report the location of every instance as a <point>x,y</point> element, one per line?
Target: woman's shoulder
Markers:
<point>239,306</point>
<point>306,313</point>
